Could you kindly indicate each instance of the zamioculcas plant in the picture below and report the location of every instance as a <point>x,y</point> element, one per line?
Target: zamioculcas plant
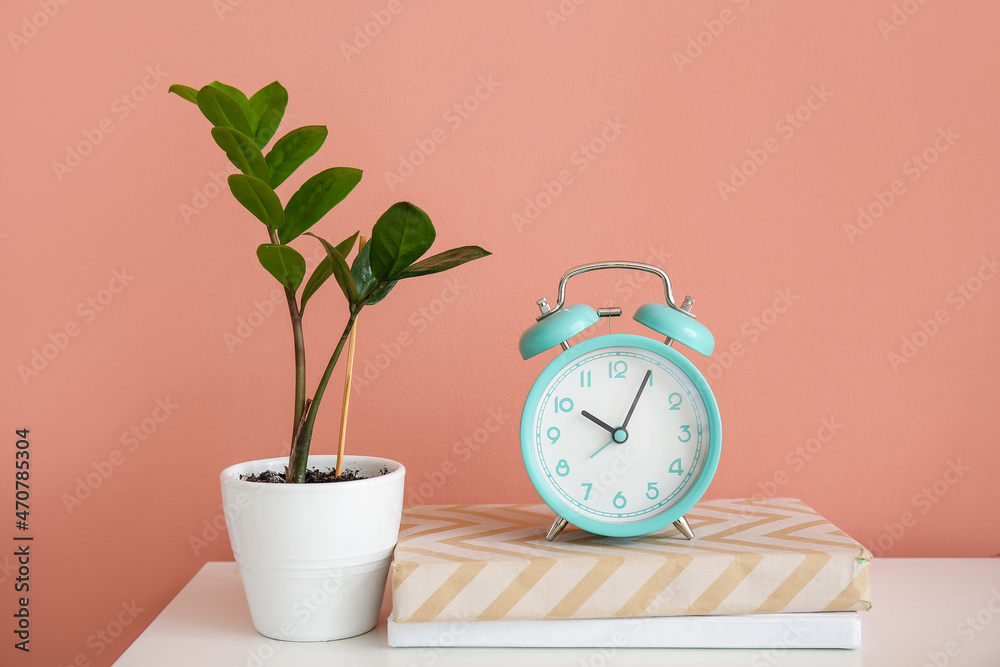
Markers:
<point>243,127</point>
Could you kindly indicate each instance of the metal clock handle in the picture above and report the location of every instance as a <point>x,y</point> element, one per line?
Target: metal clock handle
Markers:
<point>634,266</point>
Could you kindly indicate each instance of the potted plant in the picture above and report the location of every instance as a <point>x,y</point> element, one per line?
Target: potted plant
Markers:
<point>313,556</point>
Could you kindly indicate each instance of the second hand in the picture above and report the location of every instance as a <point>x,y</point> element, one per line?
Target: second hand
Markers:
<point>609,442</point>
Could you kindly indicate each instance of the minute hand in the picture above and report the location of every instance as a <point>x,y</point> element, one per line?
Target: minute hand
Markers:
<point>635,401</point>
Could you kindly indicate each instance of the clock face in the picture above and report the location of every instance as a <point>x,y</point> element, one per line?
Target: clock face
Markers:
<point>618,437</point>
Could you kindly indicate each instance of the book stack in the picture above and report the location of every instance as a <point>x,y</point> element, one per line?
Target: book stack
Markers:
<point>759,574</point>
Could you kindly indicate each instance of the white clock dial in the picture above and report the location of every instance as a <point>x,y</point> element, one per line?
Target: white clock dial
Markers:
<point>621,434</point>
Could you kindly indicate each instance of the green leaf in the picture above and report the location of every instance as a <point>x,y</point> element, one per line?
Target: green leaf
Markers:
<point>324,271</point>
<point>258,198</point>
<point>237,96</point>
<point>448,259</point>
<point>267,109</point>
<point>347,245</point>
<point>222,110</point>
<point>368,287</point>
<point>187,92</point>
<point>241,151</point>
<point>399,238</point>
<point>292,150</point>
<point>381,292</point>
<point>316,280</point>
<point>283,263</point>
<point>340,270</point>
<point>362,271</point>
<point>315,199</point>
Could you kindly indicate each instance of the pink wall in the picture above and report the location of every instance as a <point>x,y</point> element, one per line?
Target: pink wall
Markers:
<point>848,105</point>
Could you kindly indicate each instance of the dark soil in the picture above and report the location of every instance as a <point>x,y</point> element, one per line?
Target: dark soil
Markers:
<point>314,476</point>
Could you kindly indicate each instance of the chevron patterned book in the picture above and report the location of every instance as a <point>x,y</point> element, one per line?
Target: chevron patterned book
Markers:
<point>492,563</point>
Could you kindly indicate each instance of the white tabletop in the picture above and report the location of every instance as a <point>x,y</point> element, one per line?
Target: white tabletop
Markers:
<point>933,612</point>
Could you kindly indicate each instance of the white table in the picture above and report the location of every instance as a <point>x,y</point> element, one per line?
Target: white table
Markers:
<point>922,611</point>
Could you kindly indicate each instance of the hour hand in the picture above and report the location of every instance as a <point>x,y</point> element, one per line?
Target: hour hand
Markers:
<point>609,429</point>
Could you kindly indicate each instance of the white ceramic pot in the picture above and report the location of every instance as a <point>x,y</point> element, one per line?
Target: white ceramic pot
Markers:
<point>314,557</point>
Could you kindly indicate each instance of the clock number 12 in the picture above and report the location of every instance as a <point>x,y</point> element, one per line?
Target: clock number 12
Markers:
<point>617,369</point>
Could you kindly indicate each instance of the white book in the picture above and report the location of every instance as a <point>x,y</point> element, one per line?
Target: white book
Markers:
<point>750,631</point>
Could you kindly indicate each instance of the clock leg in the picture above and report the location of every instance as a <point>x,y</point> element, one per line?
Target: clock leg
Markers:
<point>557,527</point>
<point>682,525</point>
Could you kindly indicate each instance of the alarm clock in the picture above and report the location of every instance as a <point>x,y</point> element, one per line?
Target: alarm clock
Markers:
<point>620,434</point>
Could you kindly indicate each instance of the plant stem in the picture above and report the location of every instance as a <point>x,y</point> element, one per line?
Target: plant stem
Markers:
<point>299,460</point>
<point>300,361</point>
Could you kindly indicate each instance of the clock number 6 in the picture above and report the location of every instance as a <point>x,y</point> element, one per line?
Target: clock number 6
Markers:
<point>686,430</point>
<point>619,500</point>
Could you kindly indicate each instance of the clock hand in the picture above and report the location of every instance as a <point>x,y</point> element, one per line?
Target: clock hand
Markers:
<point>602,448</point>
<point>609,429</point>
<point>635,401</point>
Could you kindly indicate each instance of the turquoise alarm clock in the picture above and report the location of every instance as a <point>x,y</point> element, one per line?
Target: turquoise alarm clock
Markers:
<point>620,433</point>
